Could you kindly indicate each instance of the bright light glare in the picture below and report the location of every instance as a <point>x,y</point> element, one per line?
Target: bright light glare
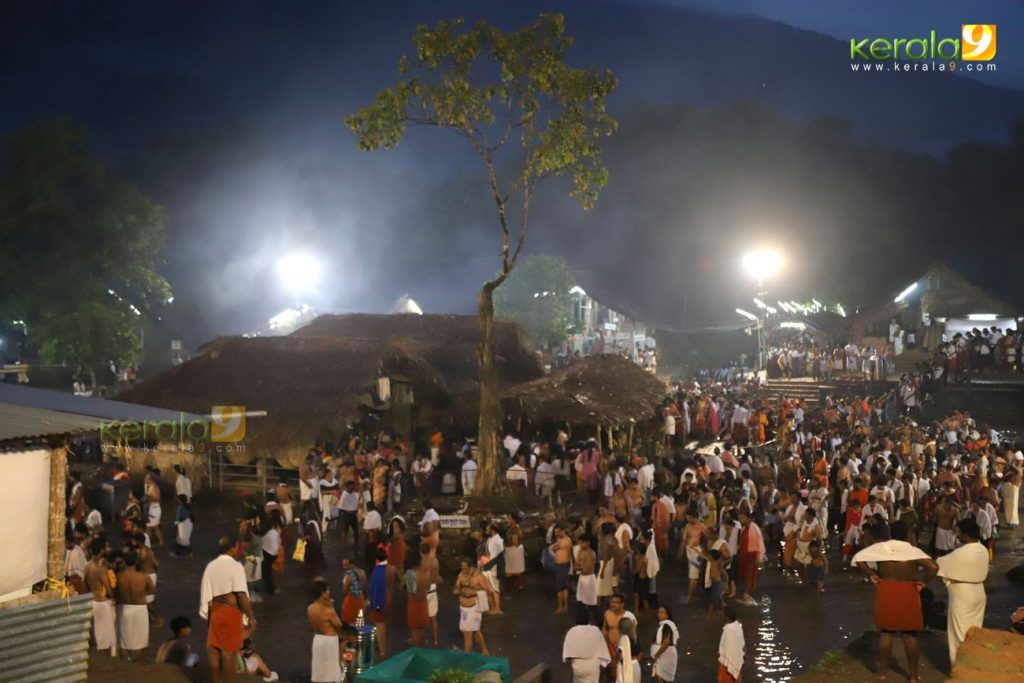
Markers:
<point>299,272</point>
<point>905,293</point>
<point>983,317</point>
<point>745,314</point>
<point>793,325</point>
<point>762,263</point>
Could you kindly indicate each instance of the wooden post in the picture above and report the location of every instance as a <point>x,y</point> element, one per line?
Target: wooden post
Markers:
<point>263,475</point>
<point>58,513</point>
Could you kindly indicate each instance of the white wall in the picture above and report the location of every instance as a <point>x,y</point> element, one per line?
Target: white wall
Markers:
<point>24,513</point>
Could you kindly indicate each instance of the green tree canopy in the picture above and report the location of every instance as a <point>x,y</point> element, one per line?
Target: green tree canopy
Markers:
<point>80,250</point>
<point>536,295</point>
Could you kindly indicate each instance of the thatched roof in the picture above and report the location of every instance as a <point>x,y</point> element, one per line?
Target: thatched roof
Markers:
<point>606,389</point>
<point>447,342</point>
<point>948,293</point>
<point>309,387</point>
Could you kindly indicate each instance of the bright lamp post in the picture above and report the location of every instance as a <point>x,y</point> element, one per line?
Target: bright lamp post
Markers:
<point>761,264</point>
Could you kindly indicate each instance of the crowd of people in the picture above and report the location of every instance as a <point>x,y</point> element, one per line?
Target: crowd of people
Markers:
<point>743,484</point>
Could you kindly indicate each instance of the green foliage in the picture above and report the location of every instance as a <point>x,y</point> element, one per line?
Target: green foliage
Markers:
<point>80,250</point>
<point>451,676</point>
<point>494,87</point>
<point>536,295</point>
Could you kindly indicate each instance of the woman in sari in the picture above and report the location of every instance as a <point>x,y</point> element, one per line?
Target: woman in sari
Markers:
<point>314,560</point>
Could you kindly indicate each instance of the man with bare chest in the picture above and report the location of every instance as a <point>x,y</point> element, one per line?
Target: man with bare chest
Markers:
<point>133,618</point>
<point>615,613</point>
<point>428,560</point>
<point>586,564</point>
<point>97,582</point>
<point>148,564</point>
<point>946,515</point>
<point>153,509</point>
<point>418,582</point>
<point>326,662</point>
<point>692,534</point>
<point>561,550</point>
<point>903,570</point>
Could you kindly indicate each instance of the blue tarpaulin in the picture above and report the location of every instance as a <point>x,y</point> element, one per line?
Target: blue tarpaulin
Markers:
<point>416,664</point>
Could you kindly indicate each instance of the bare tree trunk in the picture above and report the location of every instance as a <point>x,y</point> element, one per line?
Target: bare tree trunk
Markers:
<point>490,406</point>
<point>58,513</point>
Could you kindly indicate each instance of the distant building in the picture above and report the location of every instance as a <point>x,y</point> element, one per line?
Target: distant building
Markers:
<point>931,309</point>
<point>599,328</point>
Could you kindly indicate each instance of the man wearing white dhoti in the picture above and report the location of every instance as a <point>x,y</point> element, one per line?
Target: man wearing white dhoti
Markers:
<point>326,654</point>
<point>586,649</point>
<point>1011,497</point>
<point>133,616</point>
<point>97,581</point>
<point>664,654</point>
<point>964,572</point>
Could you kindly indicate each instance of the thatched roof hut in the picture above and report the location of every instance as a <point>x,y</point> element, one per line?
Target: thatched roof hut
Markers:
<point>309,387</point>
<point>447,342</point>
<point>599,390</point>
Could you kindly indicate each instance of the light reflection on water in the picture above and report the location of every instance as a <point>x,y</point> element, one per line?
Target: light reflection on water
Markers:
<point>774,662</point>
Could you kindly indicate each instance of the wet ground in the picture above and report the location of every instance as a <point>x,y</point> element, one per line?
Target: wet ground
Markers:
<point>787,634</point>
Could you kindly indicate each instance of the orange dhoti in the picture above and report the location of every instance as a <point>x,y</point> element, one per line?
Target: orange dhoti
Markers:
<point>898,606</point>
<point>789,551</point>
<point>417,613</point>
<point>225,628</point>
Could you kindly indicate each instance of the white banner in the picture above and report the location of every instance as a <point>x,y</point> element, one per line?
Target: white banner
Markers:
<point>24,515</point>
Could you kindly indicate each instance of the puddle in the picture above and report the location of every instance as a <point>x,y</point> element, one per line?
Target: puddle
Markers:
<point>773,660</point>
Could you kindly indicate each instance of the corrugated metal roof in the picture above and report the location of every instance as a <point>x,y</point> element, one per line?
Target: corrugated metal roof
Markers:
<point>20,422</point>
<point>64,402</point>
<point>47,641</point>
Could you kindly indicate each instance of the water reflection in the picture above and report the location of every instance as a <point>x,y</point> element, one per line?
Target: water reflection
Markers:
<point>774,661</point>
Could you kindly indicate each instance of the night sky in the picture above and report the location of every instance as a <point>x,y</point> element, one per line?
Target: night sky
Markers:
<point>230,114</point>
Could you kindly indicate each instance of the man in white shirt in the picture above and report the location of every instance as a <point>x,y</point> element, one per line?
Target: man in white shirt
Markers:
<point>645,477</point>
<point>714,462</point>
<point>512,444</point>
<point>182,485</point>
<point>224,598</point>
<point>430,516</point>
<point>271,546</point>
<point>348,508</point>
<point>372,523</point>
<point>75,559</point>
<point>544,481</point>
<point>517,473</point>
<point>491,570</point>
<point>468,474</point>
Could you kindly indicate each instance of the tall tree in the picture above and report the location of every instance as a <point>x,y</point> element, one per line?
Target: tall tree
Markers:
<point>537,295</point>
<point>527,114</point>
<point>80,250</point>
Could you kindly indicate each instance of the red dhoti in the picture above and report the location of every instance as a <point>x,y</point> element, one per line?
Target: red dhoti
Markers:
<point>417,613</point>
<point>724,676</point>
<point>350,609</point>
<point>225,628</point>
<point>898,606</point>
<point>748,570</point>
